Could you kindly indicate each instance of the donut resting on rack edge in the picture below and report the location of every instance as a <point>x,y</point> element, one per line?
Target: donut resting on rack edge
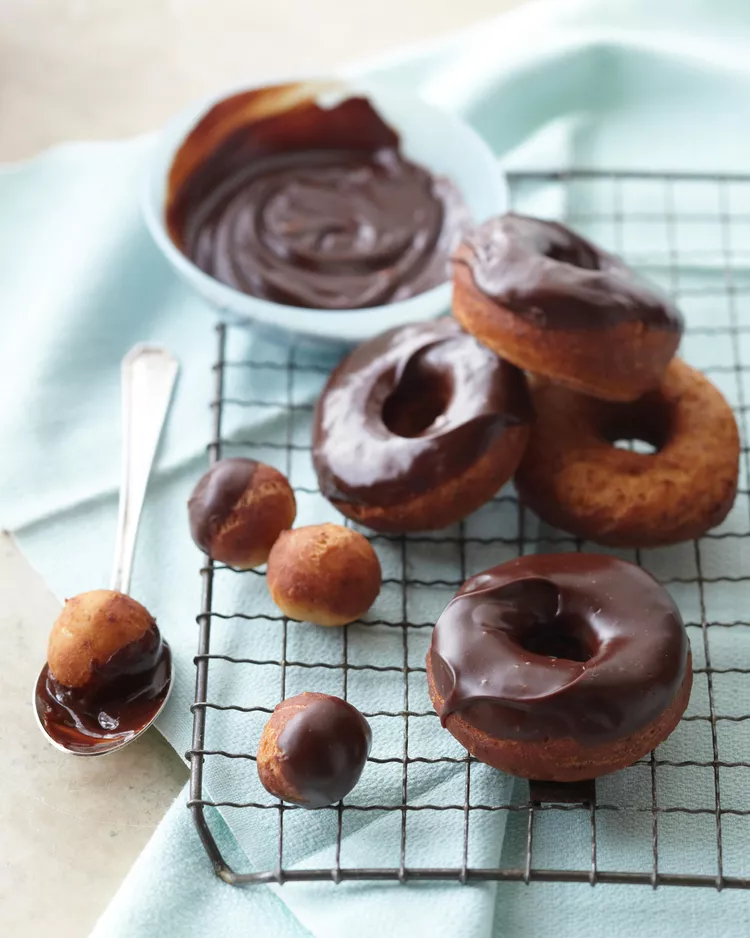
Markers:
<point>560,667</point>
<point>313,749</point>
<point>419,427</point>
<point>574,478</point>
<point>556,305</point>
<point>238,509</point>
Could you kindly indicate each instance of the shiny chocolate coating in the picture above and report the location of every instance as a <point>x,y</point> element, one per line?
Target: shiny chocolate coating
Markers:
<point>120,698</point>
<point>216,495</point>
<point>324,747</point>
<point>312,206</point>
<point>555,279</point>
<point>552,646</point>
<point>410,410</point>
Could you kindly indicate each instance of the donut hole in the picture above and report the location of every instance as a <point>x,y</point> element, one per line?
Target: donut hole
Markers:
<point>421,396</point>
<point>636,446</point>
<point>565,637</point>
<point>643,426</point>
<point>573,253</point>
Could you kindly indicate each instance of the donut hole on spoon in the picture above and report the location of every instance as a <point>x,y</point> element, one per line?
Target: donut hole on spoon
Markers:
<point>420,398</point>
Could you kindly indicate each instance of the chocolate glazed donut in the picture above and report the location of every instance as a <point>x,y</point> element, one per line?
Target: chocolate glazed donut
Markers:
<point>556,305</point>
<point>560,667</point>
<point>419,427</point>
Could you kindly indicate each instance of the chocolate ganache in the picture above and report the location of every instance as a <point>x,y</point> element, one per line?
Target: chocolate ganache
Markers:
<point>411,409</point>
<point>119,699</point>
<point>282,198</point>
<point>549,275</point>
<point>559,645</point>
<point>324,747</point>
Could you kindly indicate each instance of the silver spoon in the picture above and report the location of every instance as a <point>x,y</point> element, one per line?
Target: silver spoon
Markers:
<point>148,377</point>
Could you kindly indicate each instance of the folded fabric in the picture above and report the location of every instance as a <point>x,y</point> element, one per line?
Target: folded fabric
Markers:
<point>611,85</point>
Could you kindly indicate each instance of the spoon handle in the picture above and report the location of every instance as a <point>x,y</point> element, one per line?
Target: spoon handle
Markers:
<point>148,377</point>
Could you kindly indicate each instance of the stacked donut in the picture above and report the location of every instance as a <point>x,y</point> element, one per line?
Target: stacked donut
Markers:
<point>422,425</point>
<point>559,667</point>
<point>599,345</point>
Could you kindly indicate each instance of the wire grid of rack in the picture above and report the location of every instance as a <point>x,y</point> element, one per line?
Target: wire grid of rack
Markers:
<point>692,232</point>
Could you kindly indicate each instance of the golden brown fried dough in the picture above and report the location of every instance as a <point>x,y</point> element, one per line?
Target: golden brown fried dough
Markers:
<point>575,479</point>
<point>324,573</point>
<point>90,629</point>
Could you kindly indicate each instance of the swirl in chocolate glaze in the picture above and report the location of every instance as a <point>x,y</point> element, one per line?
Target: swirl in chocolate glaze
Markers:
<point>310,206</point>
<point>411,409</point>
<point>119,699</point>
<point>554,278</point>
<point>559,645</point>
<point>324,746</point>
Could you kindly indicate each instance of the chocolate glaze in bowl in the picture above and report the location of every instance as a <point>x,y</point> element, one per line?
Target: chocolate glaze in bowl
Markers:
<point>310,206</point>
<point>438,142</point>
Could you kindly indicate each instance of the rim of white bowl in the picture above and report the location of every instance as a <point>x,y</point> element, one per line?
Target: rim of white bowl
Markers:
<point>341,325</point>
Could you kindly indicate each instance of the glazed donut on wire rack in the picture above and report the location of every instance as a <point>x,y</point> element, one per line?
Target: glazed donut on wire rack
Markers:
<point>556,305</point>
<point>560,667</point>
<point>419,427</point>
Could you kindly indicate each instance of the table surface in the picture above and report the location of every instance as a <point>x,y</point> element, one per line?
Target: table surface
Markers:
<point>94,69</point>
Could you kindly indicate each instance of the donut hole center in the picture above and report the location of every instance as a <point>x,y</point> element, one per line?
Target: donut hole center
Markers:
<point>420,398</point>
<point>643,426</point>
<point>636,446</point>
<point>572,253</point>
<point>565,637</point>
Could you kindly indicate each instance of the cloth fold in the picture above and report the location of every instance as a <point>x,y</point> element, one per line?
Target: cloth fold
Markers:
<point>618,85</point>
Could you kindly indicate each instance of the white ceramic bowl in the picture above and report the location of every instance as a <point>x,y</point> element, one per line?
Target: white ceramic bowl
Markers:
<point>436,139</point>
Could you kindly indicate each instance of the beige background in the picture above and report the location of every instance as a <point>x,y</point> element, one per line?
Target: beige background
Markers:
<point>77,69</point>
<point>89,69</point>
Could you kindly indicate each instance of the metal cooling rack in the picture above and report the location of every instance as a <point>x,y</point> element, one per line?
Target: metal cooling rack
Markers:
<point>692,232</point>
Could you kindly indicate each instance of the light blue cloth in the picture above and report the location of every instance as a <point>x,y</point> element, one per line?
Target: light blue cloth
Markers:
<point>614,85</point>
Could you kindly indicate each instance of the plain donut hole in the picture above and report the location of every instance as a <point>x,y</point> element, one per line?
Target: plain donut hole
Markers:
<point>643,426</point>
<point>565,637</point>
<point>421,396</point>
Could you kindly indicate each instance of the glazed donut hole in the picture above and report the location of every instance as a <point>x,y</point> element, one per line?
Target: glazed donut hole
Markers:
<point>325,574</point>
<point>91,628</point>
<point>313,749</point>
<point>421,397</point>
<point>238,509</point>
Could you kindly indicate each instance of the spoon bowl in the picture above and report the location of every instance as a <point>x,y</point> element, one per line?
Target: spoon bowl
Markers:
<point>74,740</point>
